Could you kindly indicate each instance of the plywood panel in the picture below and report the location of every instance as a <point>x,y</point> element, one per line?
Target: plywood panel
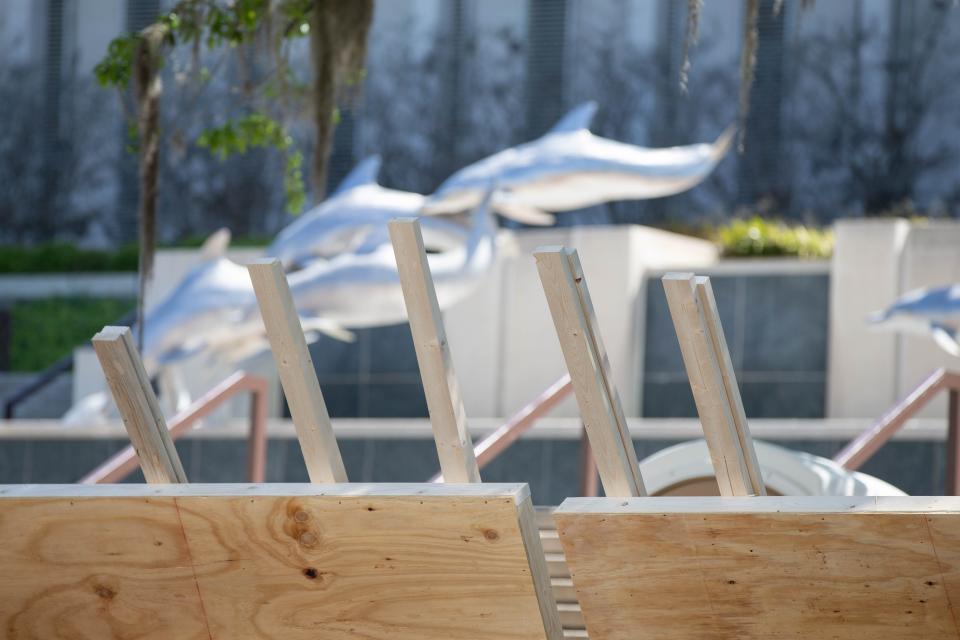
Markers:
<point>764,567</point>
<point>270,561</point>
<point>96,568</point>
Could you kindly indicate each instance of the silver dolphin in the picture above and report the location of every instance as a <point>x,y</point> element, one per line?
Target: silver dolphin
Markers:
<point>213,312</point>
<point>213,309</point>
<point>571,168</point>
<point>363,289</point>
<point>354,220</point>
<point>933,311</point>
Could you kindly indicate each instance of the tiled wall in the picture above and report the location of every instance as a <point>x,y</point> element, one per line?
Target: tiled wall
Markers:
<point>776,329</point>
<point>551,467</point>
<point>374,377</point>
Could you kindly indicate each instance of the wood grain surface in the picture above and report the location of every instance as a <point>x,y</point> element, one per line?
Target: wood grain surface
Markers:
<point>356,563</point>
<point>764,567</point>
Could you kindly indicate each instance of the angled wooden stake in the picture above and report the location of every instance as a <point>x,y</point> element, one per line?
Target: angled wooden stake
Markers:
<point>714,384</point>
<point>138,406</point>
<point>712,316</point>
<point>297,375</point>
<point>447,415</point>
<point>572,310</point>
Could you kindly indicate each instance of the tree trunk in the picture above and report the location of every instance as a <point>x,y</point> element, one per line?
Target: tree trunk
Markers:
<point>322,42</point>
<point>148,89</point>
<point>338,42</point>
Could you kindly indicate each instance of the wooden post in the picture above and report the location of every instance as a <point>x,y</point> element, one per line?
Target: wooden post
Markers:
<point>714,385</point>
<point>447,415</point>
<point>712,316</point>
<point>297,375</point>
<point>138,406</point>
<point>573,316</point>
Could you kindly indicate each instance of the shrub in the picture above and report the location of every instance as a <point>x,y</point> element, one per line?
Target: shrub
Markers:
<point>758,237</point>
<point>65,258</point>
<point>43,331</point>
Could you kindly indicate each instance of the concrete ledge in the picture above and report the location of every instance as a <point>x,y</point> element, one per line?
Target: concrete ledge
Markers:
<point>547,429</point>
<point>50,285</point>
<point>760,266</point>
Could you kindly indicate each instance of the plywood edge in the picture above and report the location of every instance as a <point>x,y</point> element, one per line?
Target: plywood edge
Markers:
<point>539,572</point>
<point>517,491</point>
<point>812,505</point>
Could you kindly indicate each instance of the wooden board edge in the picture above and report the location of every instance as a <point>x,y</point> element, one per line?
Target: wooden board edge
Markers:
<point>517,491</point>
<point>539,573</point>
<point>746,505</point>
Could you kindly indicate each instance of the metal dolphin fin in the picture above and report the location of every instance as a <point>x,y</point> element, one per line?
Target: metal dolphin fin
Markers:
<point>576,119</point>
<point>946,337</point>
<point>507,205</point>
<point>216,245</point>
<point>364,173</point>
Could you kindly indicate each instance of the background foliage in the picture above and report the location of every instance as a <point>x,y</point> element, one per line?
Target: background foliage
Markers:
<point>43,331</point>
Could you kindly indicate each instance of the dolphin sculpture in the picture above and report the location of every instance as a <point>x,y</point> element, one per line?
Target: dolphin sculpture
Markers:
<point>931,311</point>
<point>354,220</point>
<point>214,307</point>
<point>363,289</point>
<point>571,168</point>
<point>213,310</point>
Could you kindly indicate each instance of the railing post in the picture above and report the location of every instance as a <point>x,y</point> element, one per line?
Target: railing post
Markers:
<point>6,336</point>
<point>589,485</point>
<point>952,483</point>
<point>257,447</point>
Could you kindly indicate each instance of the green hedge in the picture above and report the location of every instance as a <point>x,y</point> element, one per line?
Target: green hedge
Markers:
<point>62,258</point>
<point>756,236</point>
<point>55,257</point>
<point>745,237</point>
<point>43,331</point>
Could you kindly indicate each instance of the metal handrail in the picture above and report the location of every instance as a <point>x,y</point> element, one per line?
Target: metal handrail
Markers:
<point>122,463</point>
<point>864,446</point>
<point>506,434</point>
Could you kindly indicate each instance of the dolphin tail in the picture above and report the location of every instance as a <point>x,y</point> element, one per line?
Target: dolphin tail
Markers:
<point>723,143</point>
<point>947,338</point>
<point>507,206</point>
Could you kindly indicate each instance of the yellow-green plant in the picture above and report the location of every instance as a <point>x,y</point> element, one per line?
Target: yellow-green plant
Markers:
<point>759,237</point>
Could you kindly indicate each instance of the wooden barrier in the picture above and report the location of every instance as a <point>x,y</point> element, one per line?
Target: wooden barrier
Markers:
<point>138,406</point>
<point>297,375</point>
<point>569,299</point>
<point>447,414</point>
<point>764,567</point>
<point>714,384</point>
<point>298,562</point>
